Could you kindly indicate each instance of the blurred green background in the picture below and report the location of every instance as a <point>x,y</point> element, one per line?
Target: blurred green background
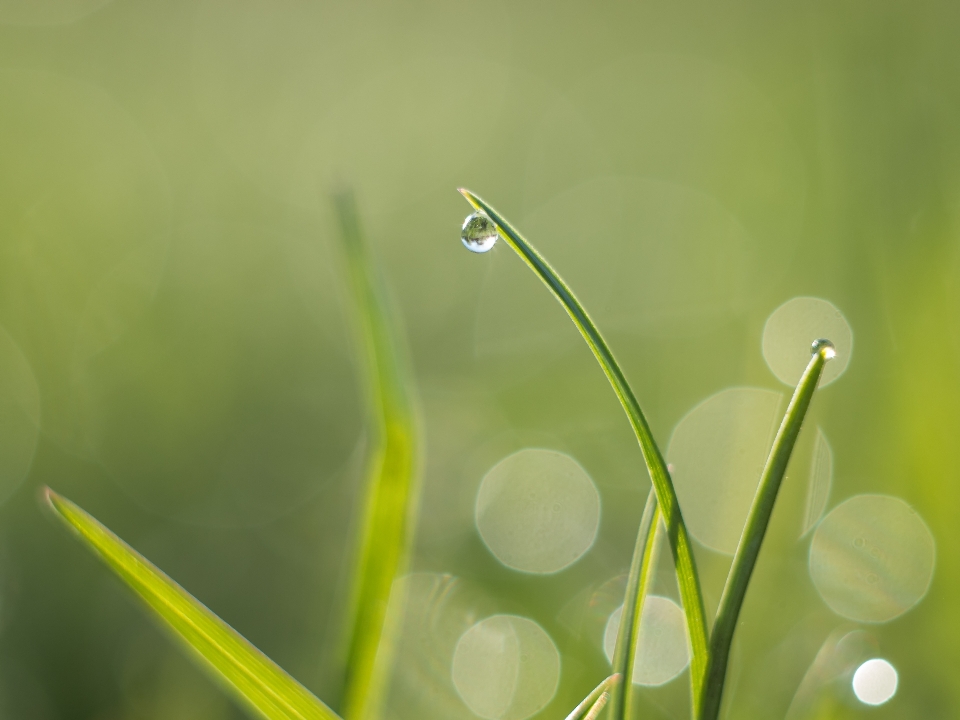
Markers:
<point>176,352</point>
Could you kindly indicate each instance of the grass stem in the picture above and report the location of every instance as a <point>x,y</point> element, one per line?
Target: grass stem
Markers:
<point>391,495</point>
<point>754,530</point>
<point>680,545</point>
<point>638,583</point>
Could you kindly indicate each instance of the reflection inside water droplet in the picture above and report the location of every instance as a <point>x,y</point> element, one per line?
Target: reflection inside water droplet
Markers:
<point>506,668</point>
<point>662,654</point>
<point>872,558</point>
<point>829,351</point>
<point>875,682</point>
<point>479,233</point>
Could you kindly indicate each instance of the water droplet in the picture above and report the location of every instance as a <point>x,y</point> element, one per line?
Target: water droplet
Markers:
<point>829,351</point>
<point>479,233</point>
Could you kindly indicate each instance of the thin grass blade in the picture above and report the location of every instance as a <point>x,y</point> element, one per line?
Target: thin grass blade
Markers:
<point>254,679</point>
<point>754,530</point>
<point>638,585</point>
<point>597,707</point>
<point>391,496</point>
<point>594,695</point>
<point>680,546</point>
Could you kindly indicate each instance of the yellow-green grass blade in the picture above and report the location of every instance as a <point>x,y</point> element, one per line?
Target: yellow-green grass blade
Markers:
<point>638,585</point>
<point>680,544</point>
<point>745,558</point>
<point>391,495</point>
<point>591,700</point>
<point>254,679</point>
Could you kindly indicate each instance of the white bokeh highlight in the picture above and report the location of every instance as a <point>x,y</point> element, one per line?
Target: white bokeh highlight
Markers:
<point>875,682</point>
<point>538,511</point>
<point>506,667</point>
<point>717,452</point>
<point>872,558</point>
<point>662,654</point>
<point>791,330</point>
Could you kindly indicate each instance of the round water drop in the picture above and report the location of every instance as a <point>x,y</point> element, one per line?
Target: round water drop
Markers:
<point>829,350</point>
<point>799,327</point>
<point>717,452</point>
<point>538,511</point>
<point>663,653</point>
<point>872,558</point>
<point>875,682</point>
<point>506,668</point>
<point>479,233</point>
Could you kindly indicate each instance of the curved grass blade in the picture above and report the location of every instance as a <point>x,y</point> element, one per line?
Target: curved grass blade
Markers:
<point>680,546</point>
<point>754,530</point>
<point>638,584</point>
<point>253,678</point>
<point>391,496</point>
<point>595,694</point>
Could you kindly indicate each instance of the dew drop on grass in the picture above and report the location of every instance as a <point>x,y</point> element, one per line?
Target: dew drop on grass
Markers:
<point>829,351</point>
<point>479,233</point>
<point>791,333</point>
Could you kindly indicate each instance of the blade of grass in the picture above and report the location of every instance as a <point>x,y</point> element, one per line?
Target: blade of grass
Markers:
<point>680,546</point>
<point>594,695</point>
<point>391,495</point>
<point>597,707</point>
<point>258,682</point>
<point>638,584</point>
<point>745,559</point>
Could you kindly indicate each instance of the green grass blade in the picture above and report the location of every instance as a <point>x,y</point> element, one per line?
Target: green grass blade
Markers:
<point>597,707</point>
<point>590,700</point>
<point>258,682</point>
<point>391,496</point>
<point>680,546</point>
<point>638,584</point>
<point>754,530</point>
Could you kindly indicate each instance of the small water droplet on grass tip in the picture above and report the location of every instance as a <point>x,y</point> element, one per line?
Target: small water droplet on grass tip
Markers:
<point>829,351</point>
<point>479,233</point>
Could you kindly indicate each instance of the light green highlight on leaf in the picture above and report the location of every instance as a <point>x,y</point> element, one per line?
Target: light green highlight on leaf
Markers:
<point>391,496</point>
<point>258,682</point>
<point>745,558</point>
<point>685,565</point>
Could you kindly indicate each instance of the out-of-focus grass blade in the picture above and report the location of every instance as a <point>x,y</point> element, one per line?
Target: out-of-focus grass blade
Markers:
<point>680,545</point>
<point>258,682</point>
<point>745,559</point>
<point>638,584</point>
<point>391,496</point>
<point>590,700</point>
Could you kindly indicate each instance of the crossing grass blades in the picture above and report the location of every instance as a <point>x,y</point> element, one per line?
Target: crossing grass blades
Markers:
<point>387,517</point>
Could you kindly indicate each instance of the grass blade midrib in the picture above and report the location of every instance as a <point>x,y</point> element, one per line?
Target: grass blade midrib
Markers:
<point>687,577</point>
